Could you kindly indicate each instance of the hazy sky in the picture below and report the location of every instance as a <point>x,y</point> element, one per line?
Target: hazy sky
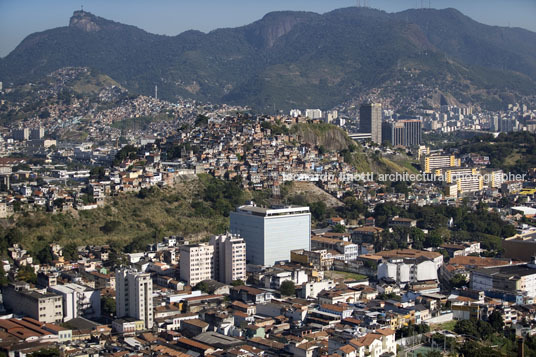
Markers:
<point>19,18</point>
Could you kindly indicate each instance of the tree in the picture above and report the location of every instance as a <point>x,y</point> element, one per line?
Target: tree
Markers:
<point>496,321</point>
<point>45,256</point>
<point>458,281</point>
<point>59,202</point>
<point>70,252</point>
<point>110,226</point>
<point>467,327</point>
<point>44,114</point>
<point>318,210</point>
<point>97,173</point>
<point>287,288</point>
<point>108,305</point>
<point>203,286</point>
<point>47,352</point>
<point>339,228</point>
<point>26,273</point>
<point>237,283</point>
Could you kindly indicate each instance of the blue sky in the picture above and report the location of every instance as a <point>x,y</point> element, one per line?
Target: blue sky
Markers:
<point>19,18</point>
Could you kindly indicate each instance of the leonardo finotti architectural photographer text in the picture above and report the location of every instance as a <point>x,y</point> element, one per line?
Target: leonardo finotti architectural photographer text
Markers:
<point>405,176</point>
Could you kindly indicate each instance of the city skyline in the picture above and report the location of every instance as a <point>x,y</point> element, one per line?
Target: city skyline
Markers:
<point>18,20</point>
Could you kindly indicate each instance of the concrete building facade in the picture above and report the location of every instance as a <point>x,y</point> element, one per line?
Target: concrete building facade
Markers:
<point>134,296</point>
<point>78,300</point>
<point>407,133</point>
<point>507,279</point>
<point>370,121</point>
<point>271,233</point>
<point>222,259</point>
<point>229,258</point>
<point>41,306</point>
<point>196,263</point>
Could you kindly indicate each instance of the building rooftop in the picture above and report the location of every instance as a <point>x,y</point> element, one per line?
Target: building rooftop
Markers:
<point>478,261</point>
<point>508,271</point>
<point>526,237</point>
<point>217,339</point>
<point>408,253</point>
<point>273,211</point>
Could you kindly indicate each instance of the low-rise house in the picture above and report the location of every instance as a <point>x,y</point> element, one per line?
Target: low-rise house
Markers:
<point>250,295</point>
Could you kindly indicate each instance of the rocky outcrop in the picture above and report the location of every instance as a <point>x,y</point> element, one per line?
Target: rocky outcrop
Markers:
<point>328,136</point>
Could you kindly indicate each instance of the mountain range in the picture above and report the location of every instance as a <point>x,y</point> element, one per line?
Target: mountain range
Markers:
<point>293,59</point>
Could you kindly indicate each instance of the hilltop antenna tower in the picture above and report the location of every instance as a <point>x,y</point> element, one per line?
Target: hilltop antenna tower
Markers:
<point>358,3</point>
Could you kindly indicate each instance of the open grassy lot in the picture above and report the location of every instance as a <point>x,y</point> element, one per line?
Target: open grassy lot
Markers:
<point>333,274</point>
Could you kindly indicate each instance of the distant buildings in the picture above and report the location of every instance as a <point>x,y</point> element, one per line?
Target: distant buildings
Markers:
<point>271,233</point>
<point>223,259</point>
<point>370,121</point>
<point>407,133</point>
<point>21,134</point>
<point>313,113</point>
<point>37,133</point>
<point>134,296</point>
<point>431,162</point>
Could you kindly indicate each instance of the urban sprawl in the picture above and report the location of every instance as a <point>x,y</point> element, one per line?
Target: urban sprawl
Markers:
<point>283,279</point>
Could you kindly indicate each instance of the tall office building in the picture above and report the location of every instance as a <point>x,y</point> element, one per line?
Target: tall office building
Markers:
<point>370,120</point>
<point>134,295</point>
<point>406,133</point>
<point>21,134</point>
<point>313,113</point>
<point>222,259</point>
<point>271,233</point>
<point>229,258</point>
<point>37,133</point>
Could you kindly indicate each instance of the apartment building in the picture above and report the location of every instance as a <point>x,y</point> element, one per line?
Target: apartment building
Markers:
<point>432,162</point>
<point>196,263</point>
<point>134,296</point>
<point>229,258</point>
<point>39,305</point>
<point>350,250</point>
<point>78,300</point>
<point>222,259</point>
